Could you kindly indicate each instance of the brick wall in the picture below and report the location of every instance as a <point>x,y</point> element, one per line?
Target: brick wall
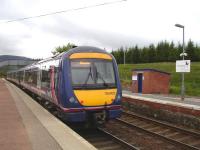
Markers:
<point>153,82</point>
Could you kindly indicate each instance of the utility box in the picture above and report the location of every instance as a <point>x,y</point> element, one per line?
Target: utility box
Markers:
<point>150,81</point>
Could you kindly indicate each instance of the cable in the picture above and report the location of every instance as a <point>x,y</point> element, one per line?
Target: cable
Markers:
<point>64,11</point>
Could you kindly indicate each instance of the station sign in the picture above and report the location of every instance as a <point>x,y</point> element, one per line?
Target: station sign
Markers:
<point>183,66</point>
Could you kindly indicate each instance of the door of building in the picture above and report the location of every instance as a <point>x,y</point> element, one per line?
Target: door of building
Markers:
<point>140,77</point>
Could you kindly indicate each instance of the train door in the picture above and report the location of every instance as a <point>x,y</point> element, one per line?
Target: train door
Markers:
<point>140,78</point>
<point>52,84</point>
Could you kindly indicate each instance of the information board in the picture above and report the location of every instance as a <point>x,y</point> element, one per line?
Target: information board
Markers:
<point>134,77</point>
<point>183,66</point>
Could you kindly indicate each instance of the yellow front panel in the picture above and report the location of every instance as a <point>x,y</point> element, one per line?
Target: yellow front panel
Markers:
<point>95,97</point>
<point>90,55</point>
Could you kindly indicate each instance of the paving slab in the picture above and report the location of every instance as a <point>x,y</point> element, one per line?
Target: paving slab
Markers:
<point>13,134</point>
<point>39,129</point>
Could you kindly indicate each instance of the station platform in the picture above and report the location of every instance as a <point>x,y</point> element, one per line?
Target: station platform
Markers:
<point>166,108</point>
<point>25,125</point>
<point>189,105</point>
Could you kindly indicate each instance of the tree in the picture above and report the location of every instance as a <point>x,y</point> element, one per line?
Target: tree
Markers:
<point>190,50</point>
<point>173,53</point>
<point>64,48</point>
<point>162,52</point>
<point>116,55</point>
<point>129,59</point>
<point>129,55</point>
<point>136,55</point>
<point>152,53</point>
<point>144,55</point>
<point>197,53</point>
<point>119,55</point>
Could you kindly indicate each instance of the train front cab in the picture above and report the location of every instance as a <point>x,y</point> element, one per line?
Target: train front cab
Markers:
<point>95,87</point>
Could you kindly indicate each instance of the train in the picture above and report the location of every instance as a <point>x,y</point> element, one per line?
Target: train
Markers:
<point>82,84</point>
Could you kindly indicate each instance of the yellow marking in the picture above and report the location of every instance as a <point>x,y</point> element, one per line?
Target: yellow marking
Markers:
<point>84,63</point>
<point>90,55</point>
<point>95,97</point>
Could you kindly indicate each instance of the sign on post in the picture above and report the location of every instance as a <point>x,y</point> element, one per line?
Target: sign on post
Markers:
<point>183,66</point>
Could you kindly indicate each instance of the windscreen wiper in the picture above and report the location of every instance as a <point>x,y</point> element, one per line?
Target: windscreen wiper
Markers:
<point>88,76</point>
<point>100,77</point>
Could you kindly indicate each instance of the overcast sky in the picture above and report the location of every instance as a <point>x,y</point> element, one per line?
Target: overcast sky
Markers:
<point>127,23</point>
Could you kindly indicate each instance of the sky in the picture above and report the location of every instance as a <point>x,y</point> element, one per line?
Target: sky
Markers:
<point>127,23</point>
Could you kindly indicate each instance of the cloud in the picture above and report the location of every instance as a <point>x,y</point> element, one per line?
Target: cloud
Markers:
<point>124,24</point>
<point>11,37</point>
<point>10,10</point>
<point>88,36</point>
<point>8,45</point>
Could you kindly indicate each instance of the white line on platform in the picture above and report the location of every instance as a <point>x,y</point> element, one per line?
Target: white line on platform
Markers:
<point>179,104</point>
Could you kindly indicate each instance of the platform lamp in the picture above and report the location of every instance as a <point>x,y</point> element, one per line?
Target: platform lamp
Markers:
<point>183,54</point>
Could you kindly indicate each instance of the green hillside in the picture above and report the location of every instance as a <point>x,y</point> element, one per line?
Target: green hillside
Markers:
<point>192,79</point>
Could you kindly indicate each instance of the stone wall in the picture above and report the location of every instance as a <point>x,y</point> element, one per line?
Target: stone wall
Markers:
<point>172,114</point>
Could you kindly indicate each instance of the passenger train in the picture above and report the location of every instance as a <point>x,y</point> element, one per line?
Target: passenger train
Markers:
<point>82,83</point>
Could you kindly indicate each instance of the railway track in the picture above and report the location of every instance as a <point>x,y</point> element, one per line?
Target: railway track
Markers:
<point>175,135</point>
<point>98,137</point>
<point>104,140</point>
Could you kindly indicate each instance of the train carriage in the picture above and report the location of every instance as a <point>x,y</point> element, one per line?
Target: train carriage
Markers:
<point>83,83</point>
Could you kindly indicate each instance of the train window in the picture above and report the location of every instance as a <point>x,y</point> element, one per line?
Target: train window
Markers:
<point>21,74</point>
<point>46,72</point>
<point>28,78</point>
<point>45,81</point>
<point>15,75</point>
<point>92,73</point>
<point>105,71</point>
<point>80,73</point>
<point>34,77</point>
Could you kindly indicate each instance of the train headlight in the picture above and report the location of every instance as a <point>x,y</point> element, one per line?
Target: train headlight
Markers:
<point>118,97</point>
<point>72,100</point>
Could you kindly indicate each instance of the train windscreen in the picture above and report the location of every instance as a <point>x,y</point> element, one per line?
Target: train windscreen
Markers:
<point>92,73</point>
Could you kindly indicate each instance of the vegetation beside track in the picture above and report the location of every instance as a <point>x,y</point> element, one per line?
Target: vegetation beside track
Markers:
<point>192,79</point>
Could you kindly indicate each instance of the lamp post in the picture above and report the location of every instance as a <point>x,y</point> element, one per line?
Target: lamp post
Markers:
<point>183,54</point>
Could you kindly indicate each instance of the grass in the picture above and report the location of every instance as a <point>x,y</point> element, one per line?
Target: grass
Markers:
<point>192,79</point>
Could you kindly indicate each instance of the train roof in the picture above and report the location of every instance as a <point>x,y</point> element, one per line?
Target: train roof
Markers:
<point>85,49</point>
<point>79,49</point>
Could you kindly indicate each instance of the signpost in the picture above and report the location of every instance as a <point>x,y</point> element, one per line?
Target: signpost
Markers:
<point>183,66</point>
<point>182,55</point>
